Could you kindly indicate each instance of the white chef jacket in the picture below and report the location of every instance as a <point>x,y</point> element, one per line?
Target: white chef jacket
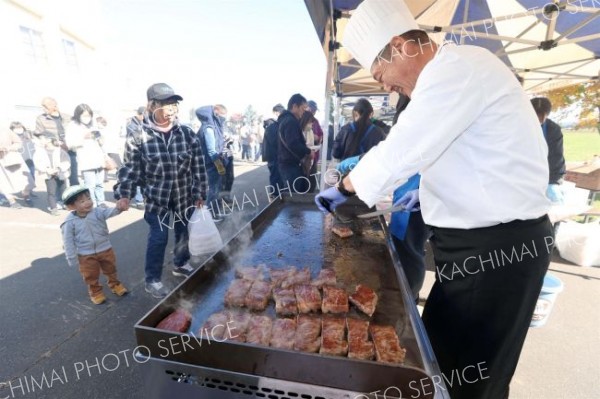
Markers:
<point>471,132</point>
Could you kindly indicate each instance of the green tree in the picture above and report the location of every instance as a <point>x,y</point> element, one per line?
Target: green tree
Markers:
<point>250,115</point>
<point>586,96</point>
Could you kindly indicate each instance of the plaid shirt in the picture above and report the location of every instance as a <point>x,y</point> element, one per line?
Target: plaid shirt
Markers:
<point>171,172</point>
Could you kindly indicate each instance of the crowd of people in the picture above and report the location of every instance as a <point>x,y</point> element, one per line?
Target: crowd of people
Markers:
<point>476,178</point>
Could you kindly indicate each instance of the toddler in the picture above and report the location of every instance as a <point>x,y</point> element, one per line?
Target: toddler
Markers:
<point>86,242</point>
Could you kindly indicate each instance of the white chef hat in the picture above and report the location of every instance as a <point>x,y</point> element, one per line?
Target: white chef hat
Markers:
<point>372,26</point>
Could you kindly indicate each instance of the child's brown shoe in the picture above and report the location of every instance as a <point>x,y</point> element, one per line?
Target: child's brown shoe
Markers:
<point>119,290</point>
<point>98,298</point>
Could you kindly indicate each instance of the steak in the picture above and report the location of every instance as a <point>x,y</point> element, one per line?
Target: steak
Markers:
<point>308,298</point>
<point>238,325</point>
<point>301,276</point>
<point>178,321</point>
<point>258,296</point>
<point>285,302</point>
<point>326,277</point>
<point>365,299</point>
<point>308,330</point>
<point>278,276</point>
<point>333,337</point>
<point>283,334</point>
<point>359,346</point>
<point>387,344</point>
<point>215,327</point>
<point>237,292</point>
<point>335,300</point>
<point>342,231</point>
<point>250,273</point>
<point>259,330</point>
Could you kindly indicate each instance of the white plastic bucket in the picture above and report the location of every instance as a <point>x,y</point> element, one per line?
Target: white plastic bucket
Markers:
<point>552,286</point>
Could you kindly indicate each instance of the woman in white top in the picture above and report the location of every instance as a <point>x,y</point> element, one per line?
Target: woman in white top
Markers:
<point>82,137</point>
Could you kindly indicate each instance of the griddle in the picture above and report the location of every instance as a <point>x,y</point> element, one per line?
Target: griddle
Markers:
<point>288,232</point>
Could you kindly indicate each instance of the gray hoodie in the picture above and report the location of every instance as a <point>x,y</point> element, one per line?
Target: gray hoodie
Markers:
<point>86,235</point>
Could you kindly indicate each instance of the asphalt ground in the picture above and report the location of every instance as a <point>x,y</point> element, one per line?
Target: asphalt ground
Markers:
<point>49,328</point>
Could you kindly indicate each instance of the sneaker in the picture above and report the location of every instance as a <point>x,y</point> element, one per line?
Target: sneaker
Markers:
<point>98,299</point>
<point>183,271</point>
<point>28,202</point>
<point>139,205</point>
<point>119,290</point>
<point>60,205</point>
<point>16,205</point>
<point>54,212</point>
<point>156,289</point>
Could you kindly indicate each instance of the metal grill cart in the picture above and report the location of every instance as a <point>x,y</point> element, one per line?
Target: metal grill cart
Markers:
<point>288,232</point>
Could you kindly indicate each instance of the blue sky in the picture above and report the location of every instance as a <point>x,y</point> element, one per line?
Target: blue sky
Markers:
<point>235,52</point>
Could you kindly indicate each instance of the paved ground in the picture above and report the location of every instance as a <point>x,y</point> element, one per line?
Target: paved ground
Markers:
<point>49,328</point>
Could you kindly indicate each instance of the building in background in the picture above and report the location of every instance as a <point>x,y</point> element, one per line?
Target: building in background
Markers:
<point>53,48</point>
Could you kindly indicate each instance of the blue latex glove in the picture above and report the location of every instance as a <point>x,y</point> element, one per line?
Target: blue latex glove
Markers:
<point>347,164</point>
<point>329,199</point>
<point>409,200</point>
<point>555,194</point>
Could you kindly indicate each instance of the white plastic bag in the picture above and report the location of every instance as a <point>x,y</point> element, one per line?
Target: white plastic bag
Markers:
<point>204,235</point>
<point>579,242</point>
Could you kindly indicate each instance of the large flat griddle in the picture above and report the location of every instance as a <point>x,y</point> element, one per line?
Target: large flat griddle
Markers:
<point>294,232</point>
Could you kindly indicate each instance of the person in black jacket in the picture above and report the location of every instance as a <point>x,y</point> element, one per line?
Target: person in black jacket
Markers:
<point>554,139</point>
<point>291,147</point>
<point>269,150</point>
<point>359,136</point>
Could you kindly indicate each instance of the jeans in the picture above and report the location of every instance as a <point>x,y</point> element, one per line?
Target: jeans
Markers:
<point>293,179</point>
<point>73,178</point>
<point>54,189</point>
<point>246,152</point>
<point>214,187</point>
<point>94,180</point>
<point>158,237</point>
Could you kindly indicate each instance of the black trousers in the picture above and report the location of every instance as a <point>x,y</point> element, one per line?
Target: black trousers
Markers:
<point>478,312</point>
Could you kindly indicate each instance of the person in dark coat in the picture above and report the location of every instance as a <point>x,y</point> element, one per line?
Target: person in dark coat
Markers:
<point>292,147</point>
<point>359,136</point>
<point>554,139</point>
<point>212,140</point>
<point>270,147</point>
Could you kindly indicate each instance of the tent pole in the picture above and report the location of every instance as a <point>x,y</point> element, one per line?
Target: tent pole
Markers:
<point>328,84</point>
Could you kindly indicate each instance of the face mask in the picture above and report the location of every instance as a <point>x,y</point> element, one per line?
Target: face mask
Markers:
<point>19,131</point>
<point>85,120</point>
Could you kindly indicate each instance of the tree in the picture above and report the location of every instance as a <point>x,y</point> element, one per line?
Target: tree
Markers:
<point>586,96</point>
<point>250,115</point>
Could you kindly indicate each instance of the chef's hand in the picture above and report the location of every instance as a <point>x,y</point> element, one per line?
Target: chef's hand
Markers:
<point>347,164</point>
<point>329,199</point>
<point>555,194</point>
<point>409,200</point>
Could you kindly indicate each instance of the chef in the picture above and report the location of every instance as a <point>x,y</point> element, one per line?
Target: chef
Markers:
<point>472,134</point>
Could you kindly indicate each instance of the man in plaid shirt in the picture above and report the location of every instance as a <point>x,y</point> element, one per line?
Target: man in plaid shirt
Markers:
<point>166,159</point>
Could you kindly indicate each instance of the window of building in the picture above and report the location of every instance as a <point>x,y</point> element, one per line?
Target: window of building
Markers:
<point>70,53</point>
<point>33,46</point>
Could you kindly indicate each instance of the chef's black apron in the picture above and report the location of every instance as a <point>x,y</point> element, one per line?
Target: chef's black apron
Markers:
<point>478,312</point>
